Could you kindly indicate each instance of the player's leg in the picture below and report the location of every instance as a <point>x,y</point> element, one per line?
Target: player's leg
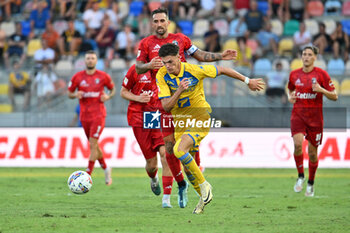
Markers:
<point>191,178</point>
<point>86,126</point>
<point>299,160</point>
<point>167,179</point>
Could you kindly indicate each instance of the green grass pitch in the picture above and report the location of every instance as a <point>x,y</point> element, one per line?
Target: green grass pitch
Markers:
<point>245,200</point>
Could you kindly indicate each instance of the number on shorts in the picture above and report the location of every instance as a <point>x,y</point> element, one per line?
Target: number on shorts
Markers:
<point>98,131</point>
<point>318,137</point>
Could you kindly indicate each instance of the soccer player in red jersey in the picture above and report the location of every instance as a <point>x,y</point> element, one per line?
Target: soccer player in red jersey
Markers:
<point>307,86</point>
<point>90,84</point>
<point>141,90</point>
<point>148,59</point>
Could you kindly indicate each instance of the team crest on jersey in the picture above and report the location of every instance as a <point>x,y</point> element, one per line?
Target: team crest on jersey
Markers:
<point>175,42</point>
<point>97,81</point>
<point>83,83</point>
<point>299,83</point>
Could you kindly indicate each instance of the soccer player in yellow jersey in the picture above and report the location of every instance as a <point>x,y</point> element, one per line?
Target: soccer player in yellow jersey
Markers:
<point>181,92</point>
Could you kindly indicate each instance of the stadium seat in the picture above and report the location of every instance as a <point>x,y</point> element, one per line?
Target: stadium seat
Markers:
<point>227,63</point>
<point>241,30</point>
<point>347,68</point>
<point>80,27</point>
<point>290,27</point>
<point>315,8</point>
<point>123,7</point>
<point>332,7</point>
<point>283,61</point>
<point>321,64</point>
<point>4,88</point>
<point>64,68</point>
<point>336,85</point>
<point>345,87</point>
<point>5,108</point>
<point>79,64</point>
<point>60,26</point>
<point>192,61</point>
<point>222,26</point>
<point>136,8</point>
<point>311,26</point>
<point>285,46</point>
<point>262,66</point>
<point>33,45</point>
<point>336,66</point>
<point>186,27</point>
<point>118,64</point>
<point>172,27</point>
<point>253,45</point>
<point>346,8</point>
<point>25,27</point>
<point>277,27</point>
<point>330,25</point>
<point>200,27</point>
<point>230,44</point>
<point>8,27</point>
<point>154,5</point>
<point>346,26</point>
<point>199,43</point>
<point>296,64</point>
<point>100,64</point>
<point>263,6</point>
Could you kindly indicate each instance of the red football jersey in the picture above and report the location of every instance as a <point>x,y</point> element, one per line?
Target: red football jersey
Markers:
<point>137,84</point>
<point>92,86</point>
<point>149,47</point>
<point>308,104</point>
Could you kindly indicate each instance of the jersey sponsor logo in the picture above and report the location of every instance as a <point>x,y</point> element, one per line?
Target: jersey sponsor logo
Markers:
<point>126,80</point>
<point>151,120</point>
<point>83,84</point>
<point>144,79</point>
<point>306,95</point>
<point>92,94</point>
<point>299,83</point>
<point>149,92</point>
<point>156,48</point>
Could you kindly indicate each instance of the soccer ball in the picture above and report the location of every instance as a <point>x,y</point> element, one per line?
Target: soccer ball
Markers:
<point>79,182</point>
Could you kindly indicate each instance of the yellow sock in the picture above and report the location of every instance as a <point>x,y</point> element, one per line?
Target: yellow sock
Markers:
<point>194,182</point>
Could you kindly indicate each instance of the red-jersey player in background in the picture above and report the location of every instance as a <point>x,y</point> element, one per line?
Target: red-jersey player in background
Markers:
<point>141,90</point>
<point>148,59</point>
<point>307,86</point>
<point>90,84</point>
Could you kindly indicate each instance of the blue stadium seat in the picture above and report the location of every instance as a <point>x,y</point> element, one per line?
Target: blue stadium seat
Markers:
<point>136,8</point>
<point>241,30</point>
<point>186,27</point>
<point>346,26</point>
<point>262,66</point>
<point>263,6</point>
<point>100,64</point>
<point>80,27</point>
<point>336,66</point>
<point>26,27</point>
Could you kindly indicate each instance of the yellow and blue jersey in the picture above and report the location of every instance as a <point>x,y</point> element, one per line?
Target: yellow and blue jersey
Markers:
<point>194,96</point>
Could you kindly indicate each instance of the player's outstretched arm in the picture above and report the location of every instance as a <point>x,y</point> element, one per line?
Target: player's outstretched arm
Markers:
<point>331,95</point>
<point>155,64</point>
<point>126,94</point>
<point>169,103</point>
<point>204,56</point>
<point>253,84</point>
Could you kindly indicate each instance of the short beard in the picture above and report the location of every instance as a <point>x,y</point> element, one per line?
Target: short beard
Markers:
<point>90,67</point>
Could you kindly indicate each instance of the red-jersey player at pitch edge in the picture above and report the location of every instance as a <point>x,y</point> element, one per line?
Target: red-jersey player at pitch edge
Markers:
<point>148,59</point>
<point>141,90</point>
<point>307,86</point>
<point>90,84</point>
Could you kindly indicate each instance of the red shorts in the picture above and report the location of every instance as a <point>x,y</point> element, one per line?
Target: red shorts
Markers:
<point>313,133</point>
<point>149,141</point>
<point>167,124</point>
<point>94,128</point>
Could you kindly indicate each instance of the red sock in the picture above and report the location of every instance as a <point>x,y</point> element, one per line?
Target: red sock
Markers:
<point>299,162</point>
<point>175,166</point>
<point>90,167</point>
<point>167,184</point>
<point>152,174</point>
<point>312,170</point>
<point>197,158</point>
<point>102,163</point>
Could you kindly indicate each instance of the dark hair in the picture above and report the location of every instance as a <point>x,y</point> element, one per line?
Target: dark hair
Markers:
<point>160,10</point>
<point>168,49</point>
<point>90,52</point>
<point>314,49</point>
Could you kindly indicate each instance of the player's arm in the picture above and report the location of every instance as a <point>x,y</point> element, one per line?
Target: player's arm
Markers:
<point>155,64</point>
<point>331,95</point>
<point>169,103</point>
<point>126,94</point>
<point>75,94</point>
<point>105,97</point>
<point>292,98</point>
<point>253,84</point>
<point>204,56</point>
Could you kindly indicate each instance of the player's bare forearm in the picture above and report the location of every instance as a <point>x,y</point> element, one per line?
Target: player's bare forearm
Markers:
<point>72,95</point>
<point>204,56</point>
<point>141,67</point>
<point>331,95</point>
<point>111,92</point>
<point>126,94</point>
<point>230,73</point>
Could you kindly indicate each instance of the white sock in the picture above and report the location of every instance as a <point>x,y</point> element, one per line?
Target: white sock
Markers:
<point>166,198</point>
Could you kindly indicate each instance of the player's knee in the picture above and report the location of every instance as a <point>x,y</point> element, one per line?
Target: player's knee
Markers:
<point>298,147</point>
<point>169,147</point>
<point>178,153</point>
<point>152,163</point>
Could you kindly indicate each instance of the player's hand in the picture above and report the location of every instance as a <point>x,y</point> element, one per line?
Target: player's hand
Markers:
<point>184,84</point>
<point>256,84</point>
<point>80,94</point>
<point>104,97</point>
<point>229,54</point>
<point>292,98</point>
<point>144,98</point>
<point>316,87</point>
<point>156,63</point>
